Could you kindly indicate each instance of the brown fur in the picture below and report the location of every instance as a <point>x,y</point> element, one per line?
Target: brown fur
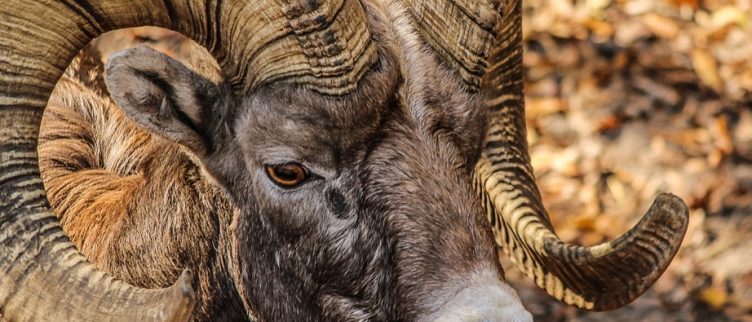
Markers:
<point>123,194</point>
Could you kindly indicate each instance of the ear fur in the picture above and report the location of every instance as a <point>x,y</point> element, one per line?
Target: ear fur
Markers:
<point>162,95</point>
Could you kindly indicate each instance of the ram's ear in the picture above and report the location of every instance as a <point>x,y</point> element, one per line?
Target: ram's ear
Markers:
<point>162,95</point>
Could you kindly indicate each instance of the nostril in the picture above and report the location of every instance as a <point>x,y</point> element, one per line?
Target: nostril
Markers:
<point>484,299</point>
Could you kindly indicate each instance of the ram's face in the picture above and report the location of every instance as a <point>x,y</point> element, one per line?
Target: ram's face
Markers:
<point>355,209</point>
<point>362,211</point>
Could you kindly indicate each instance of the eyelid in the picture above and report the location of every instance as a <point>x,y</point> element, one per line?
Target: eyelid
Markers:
<point>309,175</point>
<point>315,170</point>
<point>287,175</point>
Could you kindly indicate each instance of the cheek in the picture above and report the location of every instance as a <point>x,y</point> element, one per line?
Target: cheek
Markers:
<point>289,214</point>
<point>238,264</point>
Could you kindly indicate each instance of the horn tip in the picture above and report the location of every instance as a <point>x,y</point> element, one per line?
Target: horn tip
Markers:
<point>184,284</point>
<point>183,298</point>
<point>641,255</point>
<point>674,211</point>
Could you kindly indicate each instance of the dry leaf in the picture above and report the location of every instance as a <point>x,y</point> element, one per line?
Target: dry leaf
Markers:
<point>715,297</point>
<point>599,28</point>
<point>729,15</point>
<point>706,69</point>
<point>693,4</point>
<point>537,107</point>
<point>661,26</point>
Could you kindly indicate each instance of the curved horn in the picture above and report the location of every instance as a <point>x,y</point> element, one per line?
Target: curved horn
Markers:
<point>323,46</point>
<point>461,31</point>
<point>601,277</point>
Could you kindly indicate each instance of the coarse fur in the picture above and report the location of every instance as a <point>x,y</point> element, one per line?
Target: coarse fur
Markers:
<point>418,150</point>
<point>137,205</point>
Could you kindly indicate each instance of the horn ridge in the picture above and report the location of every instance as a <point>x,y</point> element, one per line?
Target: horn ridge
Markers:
<point>461,32</point>
<point>601,277</point>
<point>334,40</point>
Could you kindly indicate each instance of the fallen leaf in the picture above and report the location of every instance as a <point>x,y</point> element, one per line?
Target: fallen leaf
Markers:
<point>729,15</point>
<point>661,26</point>
<point>706,69</point>
<point>715,297</point>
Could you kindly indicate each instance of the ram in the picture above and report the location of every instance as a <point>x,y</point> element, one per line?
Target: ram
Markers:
<point>358,144</point>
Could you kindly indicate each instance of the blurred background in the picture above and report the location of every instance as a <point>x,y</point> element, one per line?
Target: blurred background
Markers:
<point>629,98</point>
<point>626,99</point>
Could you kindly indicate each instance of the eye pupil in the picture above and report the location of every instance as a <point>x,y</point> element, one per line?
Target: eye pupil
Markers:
<point>287,172</point>
<point>287,175</point>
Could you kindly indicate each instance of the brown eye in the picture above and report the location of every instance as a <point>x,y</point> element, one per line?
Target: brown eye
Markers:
<point>287,175</point>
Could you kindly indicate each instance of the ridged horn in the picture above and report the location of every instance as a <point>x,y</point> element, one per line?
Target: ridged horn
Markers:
<point>460,31</point>
<point>324,46</point>
<point>602,277</point>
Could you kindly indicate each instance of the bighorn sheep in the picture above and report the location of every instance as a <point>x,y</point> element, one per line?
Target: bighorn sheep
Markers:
<point>347,134</point>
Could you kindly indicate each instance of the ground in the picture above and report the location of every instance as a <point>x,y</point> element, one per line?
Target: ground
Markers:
<point>626,99</point>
